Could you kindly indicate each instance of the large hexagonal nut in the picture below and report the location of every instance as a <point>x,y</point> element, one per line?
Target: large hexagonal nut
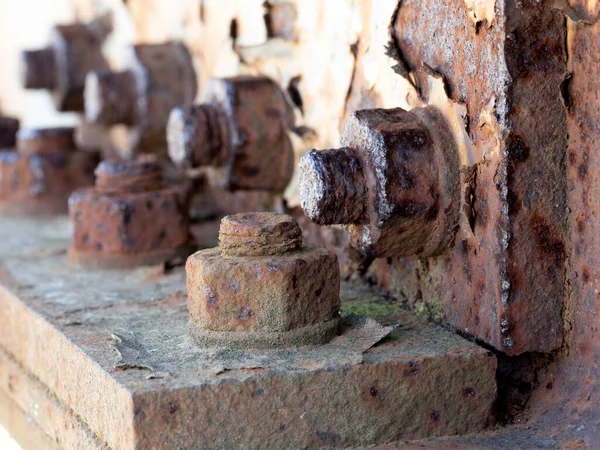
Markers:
<point>128,220</point>
<point>395,182</point>
<point>285,295</point>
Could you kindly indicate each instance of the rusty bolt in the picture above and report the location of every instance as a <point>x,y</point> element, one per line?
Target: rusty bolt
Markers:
<point>129,218</point>
<point>395,182</point>
<point>8,132</point>
<point>241,129</point>
<point>160,77</point>
<point>262,287</point>
<point>62,67</point>
<point>38,178</point>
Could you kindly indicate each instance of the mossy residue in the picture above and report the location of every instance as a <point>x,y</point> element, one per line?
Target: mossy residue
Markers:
<point>371,307</point>
<point>432,312</point>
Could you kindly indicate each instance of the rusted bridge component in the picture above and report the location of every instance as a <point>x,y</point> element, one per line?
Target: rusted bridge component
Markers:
<point>46,168</point>
<point>8,131</point>
<point>160,77</point>
<point>261,287</point>
<point>395,181</point>
<point>129,218</point>
<point>62,67</point>
<point>241,129</point>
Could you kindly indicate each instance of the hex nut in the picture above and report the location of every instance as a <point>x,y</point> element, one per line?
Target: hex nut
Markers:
<point>240,131</point>
<point>286,296</point>
<point>129,218</point>
<point>395,183</point>
<point>38,177</point>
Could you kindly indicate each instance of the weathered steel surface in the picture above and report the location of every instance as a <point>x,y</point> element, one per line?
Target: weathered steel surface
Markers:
<point>159,78</point>
<point>396,183</point>
<point>504,282</point>
<point>241,130</point>
<point>112,345</point>
<point>62,67</point>
<point>45,169</point>
<point>42,421</point>
<point>129,218</point>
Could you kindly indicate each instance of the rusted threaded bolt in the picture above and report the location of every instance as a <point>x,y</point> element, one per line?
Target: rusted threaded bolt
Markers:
<point>333,189</point>
<point>142,175</point>
<point>262,287</point>
<point>111,97</point>
<point>61,68</point>
<point>129,218</point>
<point>199,135</point>
<point>38,178</point>
<point>395,181</point>
<point>159,78</point>
<point>9,126</point>
<point>39,69</point>
<point>241,129</point>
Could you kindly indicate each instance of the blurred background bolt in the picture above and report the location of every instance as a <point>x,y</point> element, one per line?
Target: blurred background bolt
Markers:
<point>262,287</point>
<point>395,182</point>
<point>160,77</point>
<point>240,131</point>
<point>130,218</point>
<point>45,169</point>
<point>61,68</point>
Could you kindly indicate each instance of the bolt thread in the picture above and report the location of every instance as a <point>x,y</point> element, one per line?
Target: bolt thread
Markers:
<point>42,141</point>
<point>199,135</point>
<point>111,97</point>
<point>332,187</point>
<point>139,175</point>
<point>38,69</point>
<point>259,234</point>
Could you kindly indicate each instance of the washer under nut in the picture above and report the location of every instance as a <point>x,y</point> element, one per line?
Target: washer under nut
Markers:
<point>45,169</point>
<point>129,218</point>
<point>262,288</point>
<point>395,182</point>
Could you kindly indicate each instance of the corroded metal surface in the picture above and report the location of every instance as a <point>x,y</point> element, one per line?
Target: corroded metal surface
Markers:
<point>113,346</point>
<point>505,282</point>
<point>262,287</point>
<point>396,182</point>
<point>129,218</point>
<point>62,67</point>
<point>45,169</point>
<point>241,130</point>
<point>159,78</point>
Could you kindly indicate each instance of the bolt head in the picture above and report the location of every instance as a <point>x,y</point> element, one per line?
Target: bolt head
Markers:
<point>412,180</point>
